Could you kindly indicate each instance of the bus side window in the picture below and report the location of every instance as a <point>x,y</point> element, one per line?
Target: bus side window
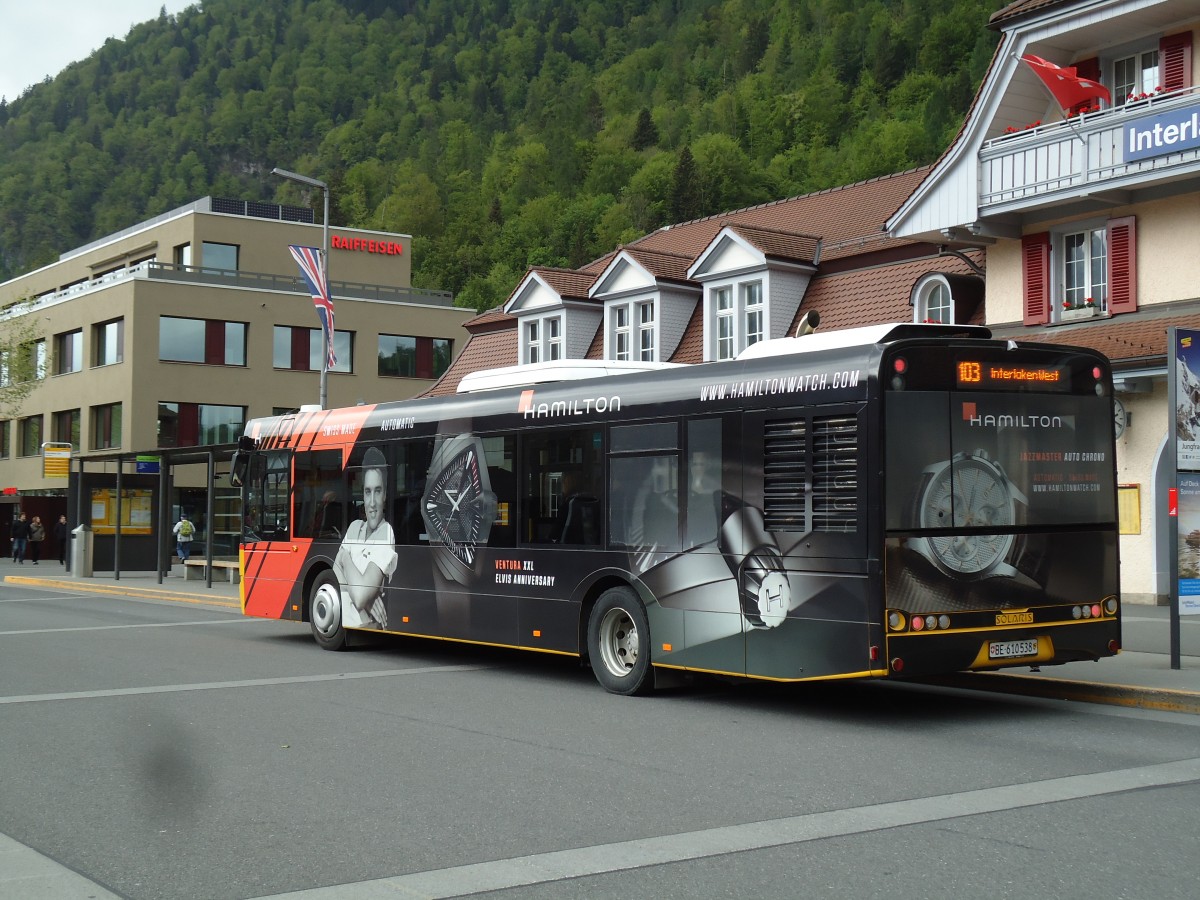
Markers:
<point>500,452</point>
<point>411,471</point>
<point>563,487</point>
<point>704,460</point>
<point>643,485</point>
<point>319,500</point>
<point>275,491</point>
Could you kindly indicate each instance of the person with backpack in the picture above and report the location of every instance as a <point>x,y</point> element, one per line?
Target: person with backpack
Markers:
<point>183,531</point>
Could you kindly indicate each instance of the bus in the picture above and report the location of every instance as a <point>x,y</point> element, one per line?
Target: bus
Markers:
<point>893,501</point>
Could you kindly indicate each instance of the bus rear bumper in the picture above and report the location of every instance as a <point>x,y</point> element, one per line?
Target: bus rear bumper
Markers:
<point>936,653</point>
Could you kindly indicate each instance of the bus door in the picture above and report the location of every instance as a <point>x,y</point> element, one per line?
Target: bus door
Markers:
<point>671,485</point>
<point>799,537</point>
<point>269,559</point>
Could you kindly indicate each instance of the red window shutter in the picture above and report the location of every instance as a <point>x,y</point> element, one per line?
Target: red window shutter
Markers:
<point>1087,68</point>
<point>424,357</point>
<point>1175,61</point>
<point>301,344</point>
<point>214,343</point>
<point>1122,266</point>
<point>189,425</point>
<point>1035,265</point>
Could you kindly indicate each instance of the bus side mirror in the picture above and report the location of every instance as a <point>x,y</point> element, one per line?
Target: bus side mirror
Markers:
<point>241,461</point>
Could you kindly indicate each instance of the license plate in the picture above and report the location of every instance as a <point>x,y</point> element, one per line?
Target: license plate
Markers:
<point>1011,649</point>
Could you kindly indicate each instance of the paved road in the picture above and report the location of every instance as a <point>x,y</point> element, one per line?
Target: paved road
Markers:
<point>160,750</point>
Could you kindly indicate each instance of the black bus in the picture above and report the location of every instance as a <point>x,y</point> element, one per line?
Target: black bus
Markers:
<point>888,502</point>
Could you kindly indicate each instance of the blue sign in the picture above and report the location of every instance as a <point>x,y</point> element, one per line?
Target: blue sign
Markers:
<point>148,465</point>
<point>1158,135</point>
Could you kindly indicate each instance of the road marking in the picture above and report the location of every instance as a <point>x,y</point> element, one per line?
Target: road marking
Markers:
<point>27,873</point>
<point>26,631</point>
<point>39,597</point>
<point>545,868</point>
<point>228,685</point>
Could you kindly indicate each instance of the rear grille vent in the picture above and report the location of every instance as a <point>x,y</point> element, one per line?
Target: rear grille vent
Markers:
<point>810,474</point>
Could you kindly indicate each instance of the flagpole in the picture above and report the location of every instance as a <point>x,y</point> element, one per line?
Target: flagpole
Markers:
<point>313,182</point>
<point>328,287</point>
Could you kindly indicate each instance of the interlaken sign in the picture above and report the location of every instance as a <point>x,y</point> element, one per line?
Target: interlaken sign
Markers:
<point>1169,132</point>
<point>366,245</point>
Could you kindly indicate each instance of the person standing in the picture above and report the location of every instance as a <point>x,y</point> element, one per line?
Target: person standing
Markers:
<point>61,536</point>
<point>20,537</point>
<point>37,534</point>
<point>184,530</point>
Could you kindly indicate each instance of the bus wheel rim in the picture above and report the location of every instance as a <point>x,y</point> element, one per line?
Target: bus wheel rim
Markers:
<point>618,642</point>
<point>326,610</point>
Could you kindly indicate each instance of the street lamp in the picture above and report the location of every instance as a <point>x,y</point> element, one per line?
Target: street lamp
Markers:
<point>313,182</point>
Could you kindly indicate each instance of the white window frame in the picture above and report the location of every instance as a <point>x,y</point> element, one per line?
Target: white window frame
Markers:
<point>647,345</point>
<point>739,313</point>
<point>933,300</point>
<point>1147,78</point>
<point>621,333</point>
<point>1090,275</point>
<point>632,330</point>
<point>542,339</point>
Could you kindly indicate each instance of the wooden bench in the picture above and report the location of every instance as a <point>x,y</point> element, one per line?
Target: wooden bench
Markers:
<point>223,570</point>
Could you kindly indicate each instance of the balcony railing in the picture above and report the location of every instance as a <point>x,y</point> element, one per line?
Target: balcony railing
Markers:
<point>350,290</point>
<point>1087,153</point>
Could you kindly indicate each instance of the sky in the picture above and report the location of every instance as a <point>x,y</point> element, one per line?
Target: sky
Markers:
<point>40,39</point>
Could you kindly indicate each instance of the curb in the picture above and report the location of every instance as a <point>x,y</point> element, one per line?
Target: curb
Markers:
<point>1162,699</point>
<point>123,590</point>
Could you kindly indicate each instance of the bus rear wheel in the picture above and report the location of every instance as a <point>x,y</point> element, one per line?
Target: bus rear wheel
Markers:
<point>619,643</point>
<point>325,613</point>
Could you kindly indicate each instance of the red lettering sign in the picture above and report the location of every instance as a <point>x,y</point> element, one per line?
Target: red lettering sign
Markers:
<point>363,245</point>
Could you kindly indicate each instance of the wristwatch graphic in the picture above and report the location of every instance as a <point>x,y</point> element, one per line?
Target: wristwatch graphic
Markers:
<point>763,587</point>
<point>459,506</point>
<point>970,491</point>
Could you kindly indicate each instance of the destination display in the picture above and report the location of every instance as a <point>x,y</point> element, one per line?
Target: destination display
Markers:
<point>981,375</point>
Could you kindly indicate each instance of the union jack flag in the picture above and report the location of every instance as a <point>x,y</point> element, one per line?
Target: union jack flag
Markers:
<point>309,260</point>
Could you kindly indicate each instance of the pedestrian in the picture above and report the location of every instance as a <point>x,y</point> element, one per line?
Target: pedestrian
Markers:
<point>61,536</point>
<point>20,537</point>
<point>37,534</point>
<point>183,530</point>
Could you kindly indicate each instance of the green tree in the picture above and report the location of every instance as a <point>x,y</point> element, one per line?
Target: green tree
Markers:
<point>686,202</point>
<point>645,134</point>
<point>22,355</point>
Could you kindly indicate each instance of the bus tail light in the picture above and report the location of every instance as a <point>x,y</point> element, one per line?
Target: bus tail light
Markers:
<point>1110,606</point>
<point>896,620</point>
<point>1114,646</point>
<point>897,665</point>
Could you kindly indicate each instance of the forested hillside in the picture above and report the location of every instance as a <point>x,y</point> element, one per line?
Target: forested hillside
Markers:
<point>499,133</point>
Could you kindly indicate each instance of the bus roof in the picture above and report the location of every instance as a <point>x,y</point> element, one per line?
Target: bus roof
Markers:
<point>859,337</point>
<point>558,370</point>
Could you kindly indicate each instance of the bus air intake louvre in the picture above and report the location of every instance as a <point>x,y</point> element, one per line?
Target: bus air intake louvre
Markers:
<point>785,470</point>
<point>835,474</point>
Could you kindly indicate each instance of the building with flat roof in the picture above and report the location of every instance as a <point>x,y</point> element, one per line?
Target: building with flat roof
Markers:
<point>172,333</point>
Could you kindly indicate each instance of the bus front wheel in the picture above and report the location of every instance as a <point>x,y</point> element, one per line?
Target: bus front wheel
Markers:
<point>325,612</point>
<point>619,643</point>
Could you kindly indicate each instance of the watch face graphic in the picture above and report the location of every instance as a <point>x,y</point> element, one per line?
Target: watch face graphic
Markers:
<point>968,492</point>
<point>459,506</point>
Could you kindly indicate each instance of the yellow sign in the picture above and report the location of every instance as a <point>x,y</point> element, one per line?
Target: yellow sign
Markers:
<point>56,460</point>
<point>136,507</point>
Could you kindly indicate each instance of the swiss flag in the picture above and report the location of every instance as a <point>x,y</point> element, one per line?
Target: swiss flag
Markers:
<point>1064,82</point>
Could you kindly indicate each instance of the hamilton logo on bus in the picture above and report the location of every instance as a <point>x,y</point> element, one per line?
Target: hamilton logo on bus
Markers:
<point>972,416</point>
<point>577,407</point>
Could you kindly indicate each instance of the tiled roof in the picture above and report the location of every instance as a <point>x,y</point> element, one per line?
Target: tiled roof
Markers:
<point>570,284</point>
<point>691,346</point>
<point>488,319</point>
<point>1021,8</point>
<point>848,219</point>
<point>487,350</point>
<point>1139,337</point>
<point>661,263</point>
<point>780,244</point>
<point>870,296</point>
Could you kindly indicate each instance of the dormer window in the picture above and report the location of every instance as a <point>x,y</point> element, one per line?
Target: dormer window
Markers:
<point>933,302</point>
<point>632,333</point>
<point>542,339</point>
<point>738,314</point>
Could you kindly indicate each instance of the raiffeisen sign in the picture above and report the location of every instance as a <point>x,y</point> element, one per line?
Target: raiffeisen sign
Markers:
<point>1168,132</point>
<point>366,245</point>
